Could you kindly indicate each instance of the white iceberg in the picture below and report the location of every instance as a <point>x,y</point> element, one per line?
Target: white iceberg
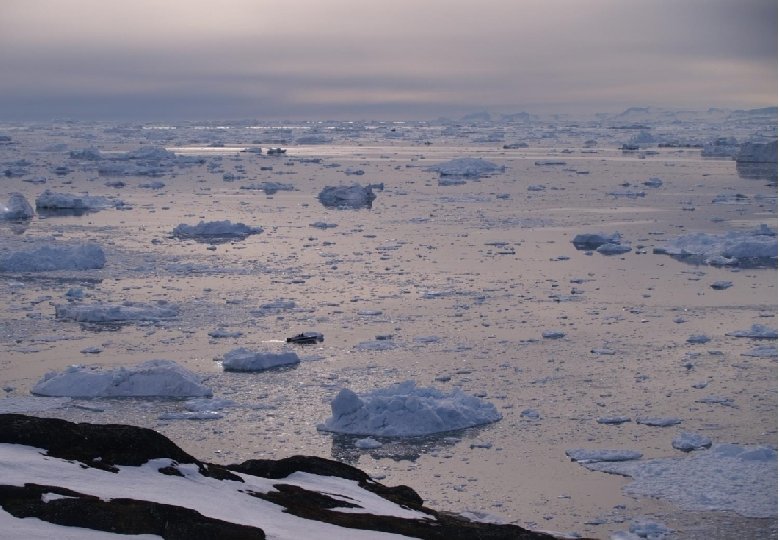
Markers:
<point>473,167</point>
<point>154,378</point>
<point>116,313</point>
<point>49,257</point>
<point>215,229</point>
<point>17,208</point>
<point>242,359</point>
<point>403,410</point>
<point>687,442</point>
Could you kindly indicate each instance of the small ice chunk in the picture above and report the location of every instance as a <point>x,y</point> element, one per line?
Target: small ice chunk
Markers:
<point>471,167</point>
<point>613,249</point>
<point>215,229</point>
<point>553,334</point>
<point>765,351</point>
<point>50,200</point>
<point>613,420</point>
<point>354,196</point>
<point>242,359</point>
<point>367,444</point>
<point>698,339</point>
<point>220,333</point>
<point>205,415</point>
<point>582,455</point>
<point>688,442</point>
<point>721,285</point>
<point>658,421</point>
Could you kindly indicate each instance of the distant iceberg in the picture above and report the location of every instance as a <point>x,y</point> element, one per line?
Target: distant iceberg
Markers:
<point>734,248</point>
<point>473,167</point>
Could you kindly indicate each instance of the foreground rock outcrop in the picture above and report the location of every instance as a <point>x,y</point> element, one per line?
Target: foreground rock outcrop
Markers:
<point>129,480</point>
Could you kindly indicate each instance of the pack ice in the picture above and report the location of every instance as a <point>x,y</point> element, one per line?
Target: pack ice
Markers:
<point>404,410</point>
<point>154,378</point>
<point>727,477</point>
<point>50,257</point>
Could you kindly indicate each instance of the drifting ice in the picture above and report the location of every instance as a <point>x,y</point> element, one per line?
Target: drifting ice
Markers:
<point>155,378</point>
<point>731,248</point>
<point>50,257</point>
<point>17,208</point>
<point>403,410</point>
<point>242,359</point>
<point>215,229</point>
<point>473,167</point>
<point>115,313</point>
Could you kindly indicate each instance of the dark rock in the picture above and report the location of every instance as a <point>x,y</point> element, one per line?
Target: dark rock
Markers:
<point>119,516</point>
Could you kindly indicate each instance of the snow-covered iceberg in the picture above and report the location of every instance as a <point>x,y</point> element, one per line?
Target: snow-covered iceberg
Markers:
<point>154,378</point>
<point>212,230</point>
<point>242,359</point>
<point>404,410</point>
<point>473,167</point>
<point>116,313</point>
<point>734,248</point>
<point>50,257</point>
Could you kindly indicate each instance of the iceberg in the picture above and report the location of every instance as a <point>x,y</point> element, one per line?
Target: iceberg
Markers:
<point>242,359</point>
<point>354,196</point>
<point>404,410</point>
<point>116,313</point>
<point>212,230</point>
<point>154,378</point>
<point>473,167</point>
<point>594,240</point>
<point>17,209</point>
<point>50,257</point>
<point>50,200</point>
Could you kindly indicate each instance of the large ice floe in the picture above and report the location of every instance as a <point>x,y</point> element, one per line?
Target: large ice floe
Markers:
<point>734,248</point>
<point>354,196</point>
<point>242,359</point>
<point>17,208</point>
<point>472,167</point>
<point>116,313</point>
<point>215,230</point>
<point>154,378</point>
<point>727,477</point>
<point>404,410</point>
<point>50,257</point>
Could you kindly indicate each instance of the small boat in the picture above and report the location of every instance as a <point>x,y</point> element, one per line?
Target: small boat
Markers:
<point>276,151</point>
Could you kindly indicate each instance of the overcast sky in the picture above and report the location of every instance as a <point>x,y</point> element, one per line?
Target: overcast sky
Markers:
<point>389,59</point>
